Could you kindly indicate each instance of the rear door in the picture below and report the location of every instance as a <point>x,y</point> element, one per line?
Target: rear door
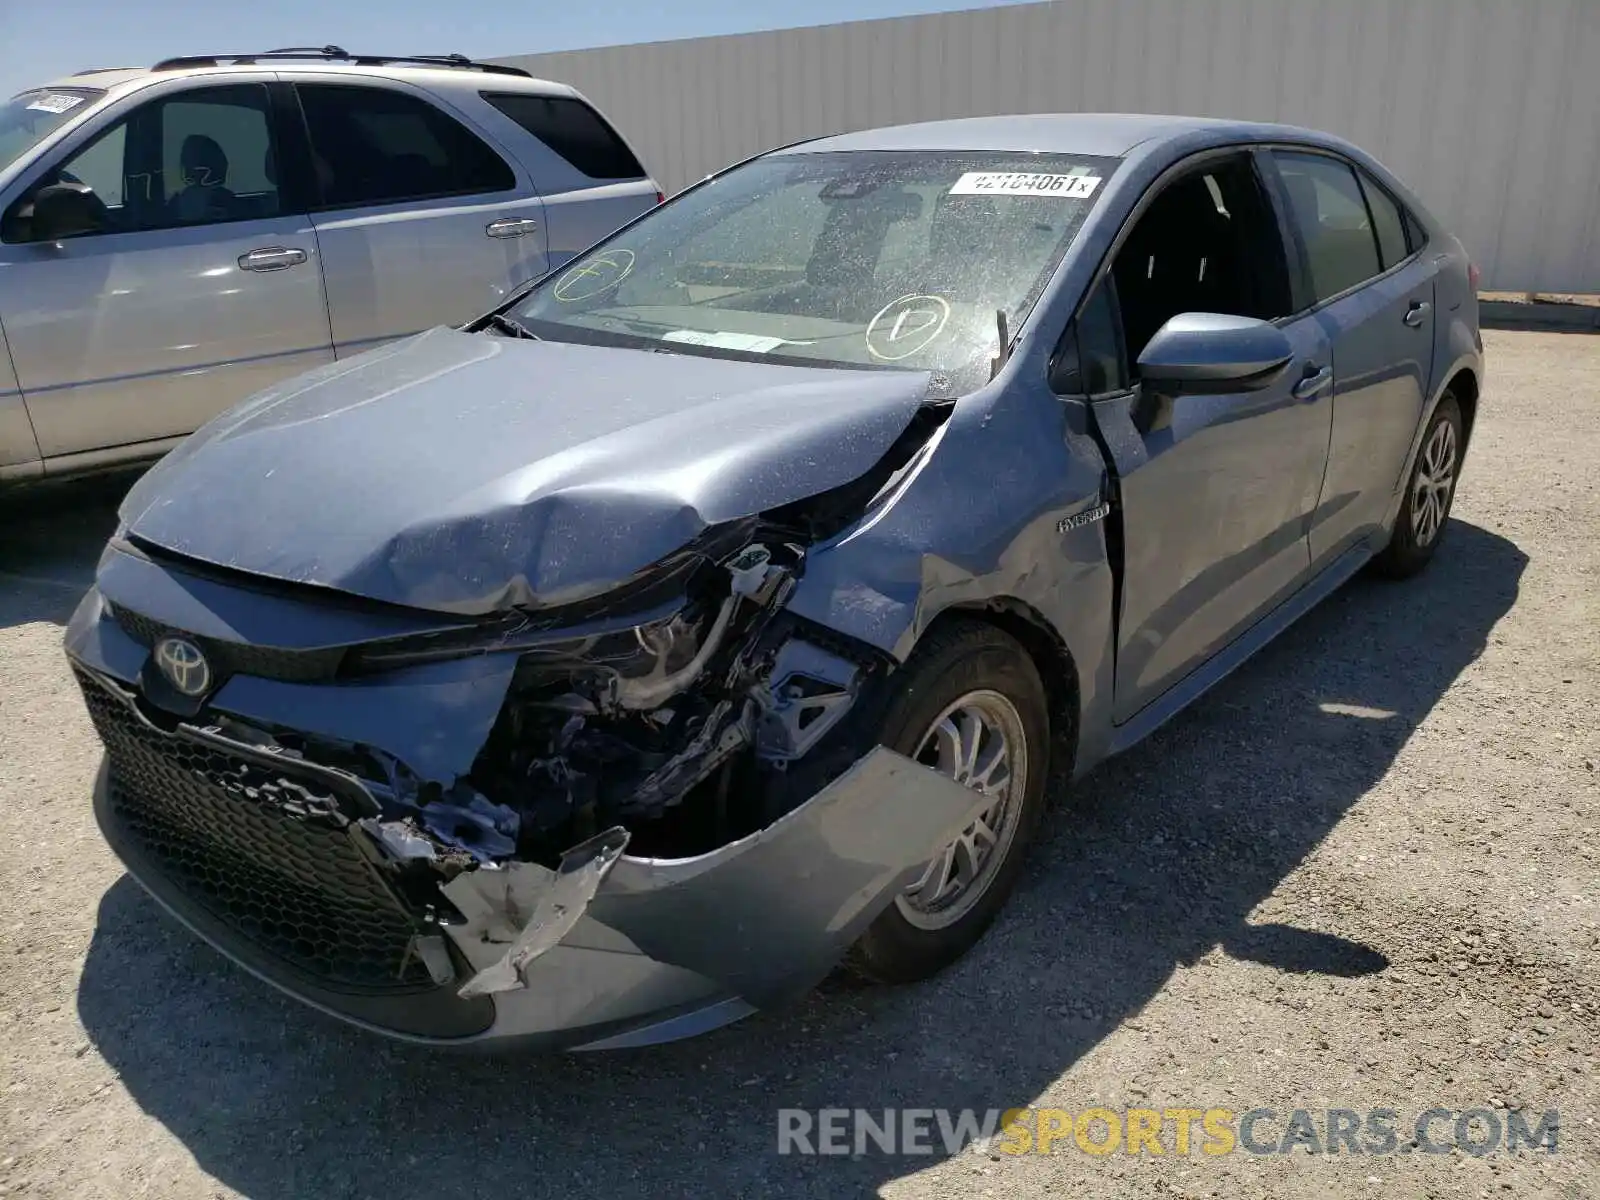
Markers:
<point>421,221</point>
<point>591,181</point>
<point>1366,282</point>
<point>202,286</point>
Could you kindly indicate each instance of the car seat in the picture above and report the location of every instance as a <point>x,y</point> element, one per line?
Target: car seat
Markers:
<point>203,166</point>
<point>1181,257</point>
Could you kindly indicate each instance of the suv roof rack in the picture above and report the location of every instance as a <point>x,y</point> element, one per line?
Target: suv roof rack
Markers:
<point>338,54</point>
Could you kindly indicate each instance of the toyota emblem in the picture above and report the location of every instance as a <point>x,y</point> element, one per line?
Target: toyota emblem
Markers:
<point>184,665</point>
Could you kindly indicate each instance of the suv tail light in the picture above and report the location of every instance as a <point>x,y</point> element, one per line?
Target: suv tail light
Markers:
<point>1473,275</point>
<point>661,198</point>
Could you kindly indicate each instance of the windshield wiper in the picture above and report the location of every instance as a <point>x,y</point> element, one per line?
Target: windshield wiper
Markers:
<point>1004,335</point>
<point>506,325</point>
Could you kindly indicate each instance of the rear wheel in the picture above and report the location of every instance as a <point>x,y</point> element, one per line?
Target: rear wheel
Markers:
<point>970,705</point>
<point>1430,490</point>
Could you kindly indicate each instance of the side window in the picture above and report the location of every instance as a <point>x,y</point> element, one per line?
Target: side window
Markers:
<point>573,130</point>
<point>1326,206</point>
<point>1388,221</point>
<point>207,145</point>
<point>198,157</point>
<point>1090,360</point>
<point>99,166</point>
<point>1208,242</point>
<point>1416,236</point>
<point>371,145</point>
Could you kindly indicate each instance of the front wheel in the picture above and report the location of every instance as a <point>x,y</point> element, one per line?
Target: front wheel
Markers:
<point>1430,490</point>
<point>970,705</point>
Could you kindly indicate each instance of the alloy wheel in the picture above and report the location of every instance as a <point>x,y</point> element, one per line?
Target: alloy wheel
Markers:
<point>979,742</point>
<point>1433,483</point>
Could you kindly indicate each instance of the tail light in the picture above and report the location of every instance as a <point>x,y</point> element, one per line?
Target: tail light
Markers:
<point>1473,275</point>
<point>661,198</point>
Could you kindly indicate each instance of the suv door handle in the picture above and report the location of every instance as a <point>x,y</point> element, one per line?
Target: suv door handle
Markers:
<point>1313,383</point>
<point>1417,313</point>
<point>511,227</point>
<point>271,258</point>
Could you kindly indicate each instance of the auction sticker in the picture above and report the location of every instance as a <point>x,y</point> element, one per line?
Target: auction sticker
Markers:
<point>55,102</point>
<point>1025,183</point>
<point>750,342</point>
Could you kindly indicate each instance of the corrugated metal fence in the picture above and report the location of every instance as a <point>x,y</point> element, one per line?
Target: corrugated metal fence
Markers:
<point>1490,109</point>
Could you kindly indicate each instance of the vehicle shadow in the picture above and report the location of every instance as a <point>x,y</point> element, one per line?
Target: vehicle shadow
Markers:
<point>50,539</point>
<point>1156,859</point>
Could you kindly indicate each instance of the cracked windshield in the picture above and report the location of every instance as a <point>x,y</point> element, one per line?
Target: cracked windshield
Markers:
<point>859,259</point>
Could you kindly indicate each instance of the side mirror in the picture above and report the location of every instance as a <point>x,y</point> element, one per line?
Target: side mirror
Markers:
<point>64,210</point>
<point>1199,352</point>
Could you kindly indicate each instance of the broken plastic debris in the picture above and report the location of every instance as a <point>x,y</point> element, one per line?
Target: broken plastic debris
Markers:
<point>399,839</point>
<point>481,827</point>
<point>435,956</point>
<point>555,912</point>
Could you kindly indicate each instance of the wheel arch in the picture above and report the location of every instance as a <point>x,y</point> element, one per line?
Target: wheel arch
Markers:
<point>1051,657</point>
<point>1461,382</point>
<point>1464,387</point>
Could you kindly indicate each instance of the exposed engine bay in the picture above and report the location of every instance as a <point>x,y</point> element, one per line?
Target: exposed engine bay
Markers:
<point>680,726</point>
<point>680,729</point>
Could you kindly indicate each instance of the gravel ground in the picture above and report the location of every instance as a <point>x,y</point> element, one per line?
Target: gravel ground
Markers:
<point>1364,873</point>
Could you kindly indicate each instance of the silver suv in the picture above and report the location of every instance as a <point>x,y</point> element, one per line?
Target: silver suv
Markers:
<point>174,239</point>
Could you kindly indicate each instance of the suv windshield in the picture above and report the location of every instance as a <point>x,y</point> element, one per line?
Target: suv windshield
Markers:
<point>28,118</point>
<point>858,259</point>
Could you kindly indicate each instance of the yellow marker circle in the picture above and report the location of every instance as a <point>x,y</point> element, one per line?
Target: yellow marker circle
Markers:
<point>593,276</point>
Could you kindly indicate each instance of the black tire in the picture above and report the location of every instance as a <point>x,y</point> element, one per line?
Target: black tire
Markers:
<point>1407,552</point>
<point>954,660</point>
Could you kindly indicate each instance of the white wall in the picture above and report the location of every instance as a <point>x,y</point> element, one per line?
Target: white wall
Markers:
<point>1489,109</point>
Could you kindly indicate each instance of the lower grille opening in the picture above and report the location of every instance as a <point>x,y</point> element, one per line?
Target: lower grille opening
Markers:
<point>264,850</point>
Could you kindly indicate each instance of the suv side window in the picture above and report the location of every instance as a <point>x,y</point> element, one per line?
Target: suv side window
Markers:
<point>199,157</point>
<point>1388,221</point>
<point>573,130</point>
<point>372,145</point>
<point>1330,213</point>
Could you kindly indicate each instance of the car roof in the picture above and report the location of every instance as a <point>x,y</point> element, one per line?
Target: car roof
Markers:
<point>129,78</point>
<point>1101,134</point>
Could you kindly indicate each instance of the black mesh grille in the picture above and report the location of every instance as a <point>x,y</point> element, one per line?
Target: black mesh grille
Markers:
<point>238,658</point>
<point>267,853</point>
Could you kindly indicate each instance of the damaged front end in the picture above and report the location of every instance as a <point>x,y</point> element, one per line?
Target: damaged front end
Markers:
<point>635,819</point>
<point>651,725</point>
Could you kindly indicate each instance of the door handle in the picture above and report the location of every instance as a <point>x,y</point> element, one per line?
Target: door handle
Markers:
<point>1313,383</point>
<point>271,258</point>
<point>1417,313</point>
<point>510,227</point>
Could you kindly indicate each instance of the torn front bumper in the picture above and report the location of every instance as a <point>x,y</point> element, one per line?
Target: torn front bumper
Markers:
<point>265,859</point>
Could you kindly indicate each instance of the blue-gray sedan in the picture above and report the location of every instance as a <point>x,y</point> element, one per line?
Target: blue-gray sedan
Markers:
<point>712,613</point>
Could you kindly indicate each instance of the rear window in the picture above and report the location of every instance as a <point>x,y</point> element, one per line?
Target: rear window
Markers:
<point>372,145</point>
<point>573,130</point>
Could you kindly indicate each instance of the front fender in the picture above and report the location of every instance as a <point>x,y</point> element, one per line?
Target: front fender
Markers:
<point>1005,508</point>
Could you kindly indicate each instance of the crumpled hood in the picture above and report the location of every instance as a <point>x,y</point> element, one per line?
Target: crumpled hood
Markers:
<point>468,473</point>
